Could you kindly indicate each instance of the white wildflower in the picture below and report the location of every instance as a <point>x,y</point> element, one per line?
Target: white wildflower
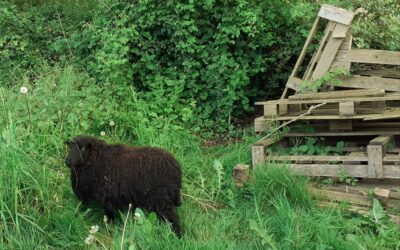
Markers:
<point>137,216</point>
<point>103,133</point>
<point>23,90</point>
<point>89,240</point>
<point>111,123</point>
<point>105,219</point>
<point>94,229</point>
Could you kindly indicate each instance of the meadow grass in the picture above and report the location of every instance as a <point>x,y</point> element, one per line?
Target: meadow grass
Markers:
<point>38,209</point>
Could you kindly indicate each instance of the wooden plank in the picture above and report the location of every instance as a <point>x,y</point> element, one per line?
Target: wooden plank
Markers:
<point>387,97</point>
<point>260,125</point>
<point>294,83</point>
<point>317,54</point>
<point>336,14</point>
<point>382,140</point>
<point>375,161</point>
<point>369,56</point>
<point>390,114</point>
<point>340,65</point>
<point>258,155</point>
<point>329,52</point>
<point>388,73</point>
<point>326,158</point>
<point>391,171</point>
<point>370,82</point>
<point>347,43</point>
<point>271,109</point>
<point>328,170</point>
<point>346,109</point>
<point>340,196</point>
<point>391,158</point>
<point>338,94</point>
<point>267,142</point>
<point>305,47</point>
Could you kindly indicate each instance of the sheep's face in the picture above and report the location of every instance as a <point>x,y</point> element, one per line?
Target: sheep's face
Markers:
<point>79,152</point>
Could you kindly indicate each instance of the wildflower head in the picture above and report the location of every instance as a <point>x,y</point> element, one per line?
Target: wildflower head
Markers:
<point>137,216</point>
<point>89,240</point>
<point>111,123</point>
<point>23,90</point>
<point>103,133</point>
<point>94,229</point>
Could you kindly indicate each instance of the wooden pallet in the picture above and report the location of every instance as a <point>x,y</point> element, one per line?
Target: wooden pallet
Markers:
<point>374,160</point>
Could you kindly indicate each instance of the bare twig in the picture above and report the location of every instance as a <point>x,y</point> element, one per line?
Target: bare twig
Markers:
<point>291,121</point>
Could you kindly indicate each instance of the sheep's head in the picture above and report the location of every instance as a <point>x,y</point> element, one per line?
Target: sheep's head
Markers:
<point>80,149</point>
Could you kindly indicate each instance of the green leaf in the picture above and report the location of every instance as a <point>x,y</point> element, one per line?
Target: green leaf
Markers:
<point>377,212</point>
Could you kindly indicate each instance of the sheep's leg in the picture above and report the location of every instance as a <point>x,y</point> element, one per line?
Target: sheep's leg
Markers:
<point>110,211</point>
<point>172,216</point>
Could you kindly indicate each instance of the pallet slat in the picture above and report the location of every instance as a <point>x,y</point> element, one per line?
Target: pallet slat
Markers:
<point>338,94</point>
<point>371,56</point>
<point>370,82</point>
<point>336,14</point>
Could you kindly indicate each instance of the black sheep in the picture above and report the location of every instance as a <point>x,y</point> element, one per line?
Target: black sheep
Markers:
<point>115,176</point>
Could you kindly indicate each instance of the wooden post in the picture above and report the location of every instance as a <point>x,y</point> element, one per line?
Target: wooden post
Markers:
<point>241,174</point>
<point>258,155</point>
<point>346,109</point>
<point>375,161</point>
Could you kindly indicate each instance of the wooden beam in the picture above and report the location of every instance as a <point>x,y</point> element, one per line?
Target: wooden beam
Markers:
<point>369,56</point>
<point>336,14</point>
<point>370,82</point>
<point>346,109</point>
<point>338,94</point>
<point>387,97</point>
<point>327,158</point>
<point>382,140</point>
<point>328,170</point>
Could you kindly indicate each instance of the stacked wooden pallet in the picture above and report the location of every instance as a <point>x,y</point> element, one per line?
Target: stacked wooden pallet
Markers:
<point>365,104</point>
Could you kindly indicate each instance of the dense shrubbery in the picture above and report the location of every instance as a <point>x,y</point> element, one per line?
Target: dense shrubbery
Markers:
<point>198,63</point>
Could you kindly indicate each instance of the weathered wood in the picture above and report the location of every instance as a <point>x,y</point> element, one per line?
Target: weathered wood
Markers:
<point>340,125</point>
<point>260,125</point>
<point>325,158</point>
<point>294,83</point>
<point>329,52</point>
<point>258,155</point>
<point>375,161</point>
<point>271,109</point>
<point>283,109</point>
<point>386,73</point>
<point>338,94</point>
<point>382,140</point>
<point>391,171</point>
<point>340,196</point>
<point>389,114</point>
<point>370,82</point>
<point>328,170</point>
<point>241,175</point>
<point>317,54</point>
<point>336,14</point>
<point>387,97</point>
<point>340,65</point>
<point>305,47</point>
<point>355,158</point>
<point>267,142</point>
<point>346,109</point>
<point>369,56</point>
<point>337,170</point>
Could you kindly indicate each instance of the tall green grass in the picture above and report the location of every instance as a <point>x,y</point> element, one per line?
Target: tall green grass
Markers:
<point>39,211</point>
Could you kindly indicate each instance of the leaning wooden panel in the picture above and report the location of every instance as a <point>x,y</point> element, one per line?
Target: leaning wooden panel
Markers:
<point>336,14</point>
<point>329,52</point>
